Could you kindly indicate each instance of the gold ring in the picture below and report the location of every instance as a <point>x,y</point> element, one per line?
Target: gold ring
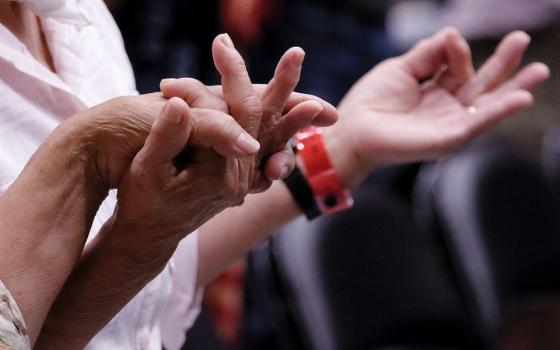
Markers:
<point>472,110</point>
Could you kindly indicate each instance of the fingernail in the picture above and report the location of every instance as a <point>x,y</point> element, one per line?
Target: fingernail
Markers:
<point>298,62</point>
<point>226,39</point>
<point>171,113</point>
<point>246,144</point>
<point>318,109</point>
<point>166,81</point>
<point>302,52</point>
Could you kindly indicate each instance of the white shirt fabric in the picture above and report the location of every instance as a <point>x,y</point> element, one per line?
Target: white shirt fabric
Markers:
<point>91,67</point>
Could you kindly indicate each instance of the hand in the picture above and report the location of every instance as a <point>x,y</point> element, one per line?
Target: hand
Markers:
<point>273,113</point>
<point>170,189</point>
<point>114,131</point>
<point>223,182</point>
<point>429,102</point>
<point>161,198</point>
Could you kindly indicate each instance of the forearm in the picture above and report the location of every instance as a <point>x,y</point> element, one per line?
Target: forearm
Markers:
<point>234,232</point>
<point>134,248</point>
<point>44,219</point>
<point>112,270</point>
<point>46,214</point>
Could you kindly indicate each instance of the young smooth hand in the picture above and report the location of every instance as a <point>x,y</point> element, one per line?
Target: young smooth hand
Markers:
<point>428,102</point>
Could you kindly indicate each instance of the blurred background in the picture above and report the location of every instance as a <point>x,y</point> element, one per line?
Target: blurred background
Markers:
<point>458,254</point>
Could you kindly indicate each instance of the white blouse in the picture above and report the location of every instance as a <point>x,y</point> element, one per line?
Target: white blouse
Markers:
<point>92,67</point>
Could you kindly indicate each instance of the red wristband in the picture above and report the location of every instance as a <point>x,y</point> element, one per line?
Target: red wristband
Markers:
<point>329,191</point>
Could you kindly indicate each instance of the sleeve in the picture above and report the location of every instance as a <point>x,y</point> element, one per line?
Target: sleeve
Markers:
<point>13,333</point>
<point>184,303</point>
<point>4,187</point>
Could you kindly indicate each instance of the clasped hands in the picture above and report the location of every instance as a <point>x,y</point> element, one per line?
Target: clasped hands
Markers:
<point>209,147</point>
<point>180,156</point>
<point>416,106</point>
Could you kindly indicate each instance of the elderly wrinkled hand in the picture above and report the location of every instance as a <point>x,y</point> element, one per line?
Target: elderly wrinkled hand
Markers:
<point>210,160</point>
<point>429,101</point>
<point>170,188</point>
<point>271,113</point>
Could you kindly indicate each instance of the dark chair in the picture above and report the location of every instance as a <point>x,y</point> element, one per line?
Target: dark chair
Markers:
<point>499,220</point>
<point>366,278</point>
<point>551,157</point>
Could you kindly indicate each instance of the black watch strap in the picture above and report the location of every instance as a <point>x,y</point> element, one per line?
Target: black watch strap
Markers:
<point>302,194</point>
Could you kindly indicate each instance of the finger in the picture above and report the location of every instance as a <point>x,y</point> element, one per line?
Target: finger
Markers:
<point>169,134</point>
<point>260,183</point>
<point>492,108</point>
<point>498,67</point>
<point>219,131</point>
<point>280,164</point>
<point>327,117</point>
<point>527,79</point>
<point>427,56</point>
<point>282,85</point>
<point>458,61</point>
<point>243,103</point>
<point>301,116</point>
<point>459,57</point>
<point>195,93</point>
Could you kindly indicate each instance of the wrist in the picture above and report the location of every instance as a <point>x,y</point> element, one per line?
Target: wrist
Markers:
<point>74,155</point>
<point>344,158</point>
<point>116,130</point>
<point>139,248</point>
<point>50,208</point>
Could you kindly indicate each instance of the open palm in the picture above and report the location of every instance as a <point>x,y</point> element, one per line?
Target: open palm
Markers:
<point>429,101</point>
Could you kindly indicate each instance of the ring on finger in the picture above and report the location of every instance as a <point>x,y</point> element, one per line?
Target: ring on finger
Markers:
<point>472,110</point>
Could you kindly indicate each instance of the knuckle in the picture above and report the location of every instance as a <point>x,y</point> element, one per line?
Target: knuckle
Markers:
<point>242,191</point>
<point>260,184</point>
<point>393,61</point>
<point>125,99</point>
<point>221,105</point>
<point>228,121</point>
<point>239,65</point>
<point>235,66</point>
<point>198,125</point>
<point>239,203</point>
<point>126,103</point>
<point>236,190</point>
<point>160,131</point>
<point>192,82</point>
<point>251,105</point>
<point>398,62</point>
<point>143,168</point>
<point>231,128</point>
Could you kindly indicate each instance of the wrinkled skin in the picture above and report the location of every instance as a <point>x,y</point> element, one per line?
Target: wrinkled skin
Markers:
<point>168,199</point>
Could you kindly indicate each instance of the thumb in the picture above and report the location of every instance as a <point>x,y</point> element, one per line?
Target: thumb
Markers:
<point>170,132</point>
